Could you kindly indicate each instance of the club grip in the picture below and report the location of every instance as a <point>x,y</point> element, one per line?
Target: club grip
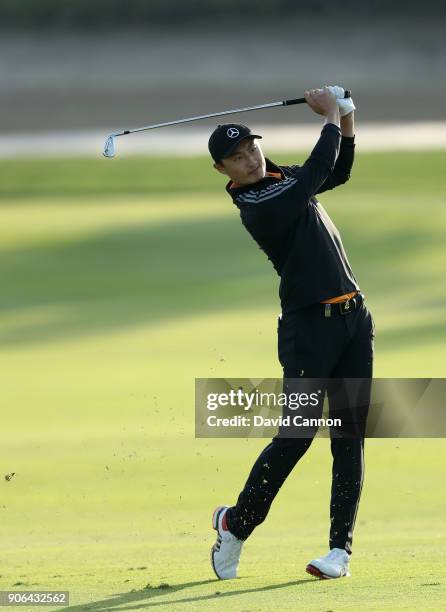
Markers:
<point>347,94</point>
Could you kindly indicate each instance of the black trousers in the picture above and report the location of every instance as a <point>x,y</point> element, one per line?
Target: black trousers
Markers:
<point>312,345</point>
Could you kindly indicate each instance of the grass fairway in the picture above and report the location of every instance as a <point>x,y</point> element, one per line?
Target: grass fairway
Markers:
<point>122,281</point>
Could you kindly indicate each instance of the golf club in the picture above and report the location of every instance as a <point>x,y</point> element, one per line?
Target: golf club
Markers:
<point>109,146</point>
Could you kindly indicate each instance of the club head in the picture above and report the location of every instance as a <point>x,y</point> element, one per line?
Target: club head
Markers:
<point>109,147</point>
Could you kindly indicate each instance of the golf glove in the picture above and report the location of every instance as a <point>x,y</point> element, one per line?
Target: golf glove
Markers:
<point>346,105</point>
<point>336,90</point>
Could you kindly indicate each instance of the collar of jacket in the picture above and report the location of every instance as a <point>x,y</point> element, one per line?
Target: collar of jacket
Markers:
<point>271,167</point>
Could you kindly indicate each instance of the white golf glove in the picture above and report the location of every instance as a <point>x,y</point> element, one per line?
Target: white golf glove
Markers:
<point>346,105</point>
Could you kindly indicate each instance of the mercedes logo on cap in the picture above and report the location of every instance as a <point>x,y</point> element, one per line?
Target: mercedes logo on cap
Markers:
<point>232,132</point>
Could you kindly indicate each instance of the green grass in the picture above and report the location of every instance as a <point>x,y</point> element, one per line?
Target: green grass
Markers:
<point>123,281</point>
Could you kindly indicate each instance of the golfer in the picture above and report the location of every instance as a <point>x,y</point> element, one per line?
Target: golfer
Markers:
<point>325,330</point>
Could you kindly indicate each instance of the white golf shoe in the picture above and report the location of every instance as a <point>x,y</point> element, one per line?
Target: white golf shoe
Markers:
<point>225,553</point>
<point>334,565</point>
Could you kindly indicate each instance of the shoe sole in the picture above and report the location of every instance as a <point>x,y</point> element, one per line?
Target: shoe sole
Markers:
<point>212,563</point>
<point>316,572</point>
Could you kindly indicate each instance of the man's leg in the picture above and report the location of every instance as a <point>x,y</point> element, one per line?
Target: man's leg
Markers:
<point>268,474</point>
<point>350,399</point>
<point>347,479</point>
<point>302,353</point>
<point>298,353</point>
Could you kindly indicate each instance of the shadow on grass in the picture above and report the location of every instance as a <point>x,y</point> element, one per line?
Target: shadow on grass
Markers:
<point>24,181</point>
<point>146,594</point>
<point>124,278</point>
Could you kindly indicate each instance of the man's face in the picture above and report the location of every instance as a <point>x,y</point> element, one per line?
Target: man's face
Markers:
<point>246,164</point>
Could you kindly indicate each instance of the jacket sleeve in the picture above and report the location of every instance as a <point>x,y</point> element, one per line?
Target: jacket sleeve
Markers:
<point>321,162</point>
<point>343,166</point>
<point>270,212</point>
<point>295,191</point>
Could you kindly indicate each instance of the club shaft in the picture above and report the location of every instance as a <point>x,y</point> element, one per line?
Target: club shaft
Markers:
<point>210,115</point>
<point>199,117</point>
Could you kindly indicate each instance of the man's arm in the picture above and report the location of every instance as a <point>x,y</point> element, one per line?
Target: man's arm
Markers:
<point>295,192</point>
<point>348,125</point>
<point>322,160</point>
<point>344,162</point>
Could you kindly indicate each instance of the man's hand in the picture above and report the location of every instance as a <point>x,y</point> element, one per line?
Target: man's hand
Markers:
<point>346,105</point>
<point>346,110</point>
<point>323,102</point>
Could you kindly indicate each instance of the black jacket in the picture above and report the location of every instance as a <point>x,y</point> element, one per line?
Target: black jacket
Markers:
<point>290,225</point>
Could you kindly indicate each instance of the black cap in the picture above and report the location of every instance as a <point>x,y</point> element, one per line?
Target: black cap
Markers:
<point>226,137</point>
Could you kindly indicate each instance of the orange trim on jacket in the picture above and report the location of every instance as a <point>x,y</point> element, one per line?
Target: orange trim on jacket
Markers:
<point>341,298</point>
<point>274,174</point>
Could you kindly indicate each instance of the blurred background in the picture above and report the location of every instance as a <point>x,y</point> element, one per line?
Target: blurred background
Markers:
<point>122,280</point>
<point>108,63</point>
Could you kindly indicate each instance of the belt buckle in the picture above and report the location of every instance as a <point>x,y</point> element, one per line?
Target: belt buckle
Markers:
<point>347,307</point>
